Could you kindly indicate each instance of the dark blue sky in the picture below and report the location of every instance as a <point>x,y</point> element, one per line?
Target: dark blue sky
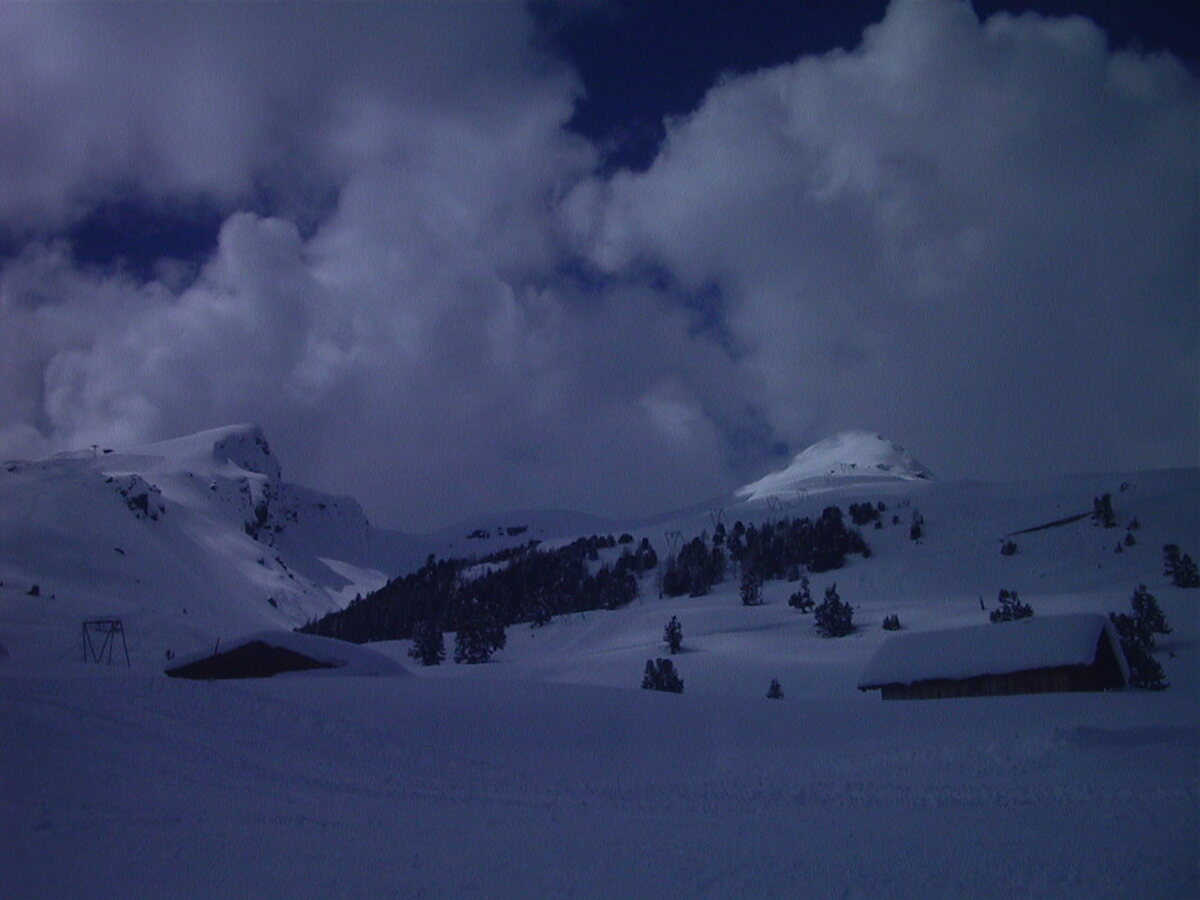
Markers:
<point>644,61</point>
<point>640,63</point>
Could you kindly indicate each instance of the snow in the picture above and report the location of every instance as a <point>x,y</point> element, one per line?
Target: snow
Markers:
<point>994,649</point>
<point>548,772</point>
<point>160,535</point>
<point>242,447</point>
<point>344,658</point>
<point>852,456</point>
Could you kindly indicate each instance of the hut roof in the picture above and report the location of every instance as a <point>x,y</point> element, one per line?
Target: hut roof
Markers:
<point>285,651</point>
<point>1000,648</point>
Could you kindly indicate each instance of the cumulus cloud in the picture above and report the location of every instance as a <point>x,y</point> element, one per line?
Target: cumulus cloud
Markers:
<point>978,237</point>
<point>418,346</point>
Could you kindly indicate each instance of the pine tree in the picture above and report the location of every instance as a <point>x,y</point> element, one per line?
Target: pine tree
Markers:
<point>428,644</point>
<point>1102,511</point>
<point>1180,567</point>
<point>833,617</point>
<point>1148,613</point>
<point>1136,634</point>
<point>660,675</point>
<point>1131,632</point>
<point>751,584</point>
<point>673,635</point>
<point>1011,608</point>
<point>1144,670</point>
<point>802,598</point>
<point>476,641</point>
<point>774,692</point>
<point>916,531</point>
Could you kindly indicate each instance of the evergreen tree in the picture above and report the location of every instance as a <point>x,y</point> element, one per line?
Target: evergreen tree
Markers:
<point>1102,511</point>
<point>428,645</point>
<point>673,636</point>
<point>916,531</point>
<point>1144,670</point>
<point>1148,613</point>
<point>750,589</point>
<point>833,617</point>
<point>1180,567</point>
<point>1131,632</point>
<point>647,558</point>
<point>672,580</point>
<point>1011,608</point>
<point>774,692</point>
<point>476,641</point>
<point>802,598</point>
<point>660,675</point>
<point>891,623</point>
<point>1136,633</point>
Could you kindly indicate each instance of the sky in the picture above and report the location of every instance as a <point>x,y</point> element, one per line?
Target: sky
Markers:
<point>610,256</point>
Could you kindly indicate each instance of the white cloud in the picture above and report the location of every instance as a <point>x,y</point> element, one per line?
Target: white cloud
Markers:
<point>419,349</point>
<point>963,235</point>
<point>967,235</point>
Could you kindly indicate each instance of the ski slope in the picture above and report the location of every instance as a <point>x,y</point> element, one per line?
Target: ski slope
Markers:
<point>187,540</point>
<point>547,772</point>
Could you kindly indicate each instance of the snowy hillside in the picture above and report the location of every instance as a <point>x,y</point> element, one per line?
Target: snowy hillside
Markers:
<point>847,458</point>
<point>548,772</point>
<point>187,540</point>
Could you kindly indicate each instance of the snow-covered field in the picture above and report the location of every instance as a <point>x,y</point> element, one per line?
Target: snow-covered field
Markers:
<point>549,773</point>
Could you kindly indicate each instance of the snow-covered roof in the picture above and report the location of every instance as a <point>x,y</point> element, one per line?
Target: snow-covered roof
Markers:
<point>993,649</point>
<point>343,657</point>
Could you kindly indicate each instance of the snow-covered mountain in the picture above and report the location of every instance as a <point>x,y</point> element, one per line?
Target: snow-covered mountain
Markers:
<point>850,457</point>
<point>186,539</point>
<point>503,780</point>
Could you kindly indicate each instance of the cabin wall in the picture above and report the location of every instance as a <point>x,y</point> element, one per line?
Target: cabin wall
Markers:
<point>1061,679</point>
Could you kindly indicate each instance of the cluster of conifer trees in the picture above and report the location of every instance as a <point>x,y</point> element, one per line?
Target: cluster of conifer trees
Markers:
<point>1137,633</point>
<point>766,552</point>
<point>527,585</point>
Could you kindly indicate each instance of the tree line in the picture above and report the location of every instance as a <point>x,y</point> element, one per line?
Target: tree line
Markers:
<point>529,584</point>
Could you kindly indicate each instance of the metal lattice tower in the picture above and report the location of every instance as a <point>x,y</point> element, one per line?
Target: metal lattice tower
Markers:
<point>673,538</point>
<point>99,638</point>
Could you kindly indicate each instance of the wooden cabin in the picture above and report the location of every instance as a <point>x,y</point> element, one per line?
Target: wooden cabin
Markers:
<point>268,653</point>
<point>1041,654</point>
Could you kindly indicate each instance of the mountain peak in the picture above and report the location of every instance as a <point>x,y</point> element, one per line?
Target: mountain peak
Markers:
<point>845,457</point>
<point>243,446</point>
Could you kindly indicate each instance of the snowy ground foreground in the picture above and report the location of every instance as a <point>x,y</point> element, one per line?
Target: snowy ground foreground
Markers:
<point>491,787</point>
<point>548,773</point>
